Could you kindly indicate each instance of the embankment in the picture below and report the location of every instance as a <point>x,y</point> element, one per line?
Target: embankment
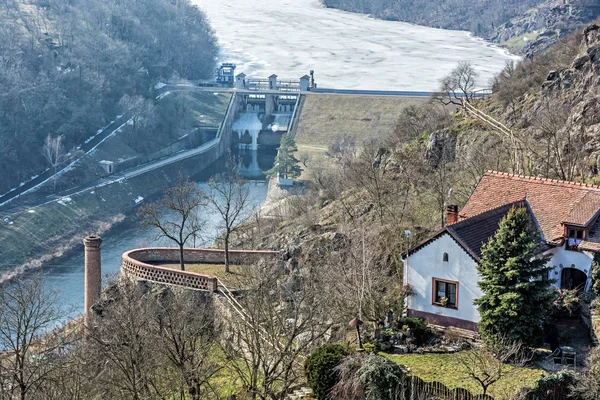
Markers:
<point>43,233</point>
<point>323,117</point>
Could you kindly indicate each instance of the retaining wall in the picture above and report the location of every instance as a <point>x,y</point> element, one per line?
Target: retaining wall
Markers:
<point>138,264</point>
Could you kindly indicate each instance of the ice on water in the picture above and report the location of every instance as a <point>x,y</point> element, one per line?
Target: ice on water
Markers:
<point>346,50</point>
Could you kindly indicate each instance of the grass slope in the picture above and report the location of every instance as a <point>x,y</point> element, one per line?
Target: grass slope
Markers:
<point>326,116</point>
<point>217,270</point>
<point>445,369</point>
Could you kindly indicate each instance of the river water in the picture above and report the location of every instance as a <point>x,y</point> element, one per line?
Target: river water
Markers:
<point>346,50</point>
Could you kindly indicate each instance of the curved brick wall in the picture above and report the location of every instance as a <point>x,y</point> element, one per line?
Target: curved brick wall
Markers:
<point>135,264</point>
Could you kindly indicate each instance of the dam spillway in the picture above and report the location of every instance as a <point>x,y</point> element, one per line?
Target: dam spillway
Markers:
<point>260,119</point>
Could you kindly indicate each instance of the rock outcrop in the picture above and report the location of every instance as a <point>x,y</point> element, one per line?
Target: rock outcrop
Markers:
<point>567,106</point>
<point>543,26</point>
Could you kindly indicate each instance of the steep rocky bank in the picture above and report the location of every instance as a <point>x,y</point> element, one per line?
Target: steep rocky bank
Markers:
<point>540,27</point>
<point>39,235</point>
<point>563,112</point>
<point>550,107</point>
<point>525,27</point>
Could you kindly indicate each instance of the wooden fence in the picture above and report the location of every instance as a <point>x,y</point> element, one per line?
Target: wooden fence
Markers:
<point>418,389</point>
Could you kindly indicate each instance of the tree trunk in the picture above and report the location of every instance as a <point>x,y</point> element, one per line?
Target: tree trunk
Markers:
<point>181,257</point>
<point>227,252</point>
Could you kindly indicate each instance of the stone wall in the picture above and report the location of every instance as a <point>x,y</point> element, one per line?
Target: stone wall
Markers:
<point>225,131</point>
<point>138,264</point>
<point>591,319</point>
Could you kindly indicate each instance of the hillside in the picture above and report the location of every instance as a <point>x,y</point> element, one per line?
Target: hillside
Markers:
<point>524,26</point>
<point>326,117</point>
<point>69,67</point>
<point>552,105</point>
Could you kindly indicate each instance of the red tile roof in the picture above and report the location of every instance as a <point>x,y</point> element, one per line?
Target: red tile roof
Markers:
<point>471,234</point>
<point>553,202</point>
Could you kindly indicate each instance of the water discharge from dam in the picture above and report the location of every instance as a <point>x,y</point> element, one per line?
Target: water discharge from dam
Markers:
<point>346,50</point>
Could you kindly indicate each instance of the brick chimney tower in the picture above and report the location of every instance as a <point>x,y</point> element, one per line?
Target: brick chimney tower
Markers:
<point>451,214</point>
<point>93,270</point>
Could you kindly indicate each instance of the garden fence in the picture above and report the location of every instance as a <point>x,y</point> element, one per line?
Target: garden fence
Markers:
<point>418,389</point>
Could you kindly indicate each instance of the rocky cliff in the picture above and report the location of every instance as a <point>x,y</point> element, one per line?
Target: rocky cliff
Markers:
<point>524,26</point>
<point>540,27</point>
<point>551,104</point>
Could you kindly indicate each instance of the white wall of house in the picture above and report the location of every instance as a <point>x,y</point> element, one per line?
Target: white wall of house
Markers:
<point>427,263</point>
<point>563,258</point>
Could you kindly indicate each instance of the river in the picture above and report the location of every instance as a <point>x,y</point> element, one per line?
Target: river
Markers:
<point>346,50</point>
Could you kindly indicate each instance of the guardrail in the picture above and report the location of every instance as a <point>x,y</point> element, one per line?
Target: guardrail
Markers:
<point>295,117</point>
<point>229,114</point>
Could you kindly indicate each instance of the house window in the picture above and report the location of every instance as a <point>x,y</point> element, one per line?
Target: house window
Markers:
<point>574,237</point>
<point>445,293</point>
<point>446,257</point>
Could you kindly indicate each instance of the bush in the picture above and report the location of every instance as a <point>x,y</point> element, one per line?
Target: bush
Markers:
<point>418,327</point>
<point>559,384</point>
<point>566,303</point>
<point>370,348</point>
<point>320,366</point>
<point>370,377</point>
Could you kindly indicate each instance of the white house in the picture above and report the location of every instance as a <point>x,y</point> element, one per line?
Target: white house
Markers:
<point>442,269</point>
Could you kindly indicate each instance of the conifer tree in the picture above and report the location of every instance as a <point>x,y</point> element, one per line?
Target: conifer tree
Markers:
<point>286,164</point>
<point>515,298</point>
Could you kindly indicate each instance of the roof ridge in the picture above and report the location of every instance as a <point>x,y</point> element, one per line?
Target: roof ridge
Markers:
<point>541,180</point>
<point>520,202</point>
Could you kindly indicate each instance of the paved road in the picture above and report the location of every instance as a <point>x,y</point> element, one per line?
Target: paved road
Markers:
<point>131,173</point>
<point>45,176</point>
<point>372,92</point>
<point>401,93</point>
<point>87,147</point>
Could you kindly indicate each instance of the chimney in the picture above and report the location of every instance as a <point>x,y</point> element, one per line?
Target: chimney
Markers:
<point>451,214</point>
<point>93,270</point>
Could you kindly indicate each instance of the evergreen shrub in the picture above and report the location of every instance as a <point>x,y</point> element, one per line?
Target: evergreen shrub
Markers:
<point>319,368</point>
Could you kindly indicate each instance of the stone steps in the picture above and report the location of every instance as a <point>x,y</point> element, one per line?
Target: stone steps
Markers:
<point>302,393</point>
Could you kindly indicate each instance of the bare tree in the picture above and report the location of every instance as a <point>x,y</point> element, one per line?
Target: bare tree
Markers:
<point>176,214</point>
<point>359,274</point>
<point>120,352</point>
<point>27,313</point>
<point>186,330</point>
<point>342,149</point>
<point>458,85</point>
<point>564,144</point>
<point>415,120</point>
<point>305,158</point>
<point>54,153</point>
<point>229,197</point>
<point>278,322</point>
<point>488,365</point>
<point>143,111</point>
<point>148,341</point>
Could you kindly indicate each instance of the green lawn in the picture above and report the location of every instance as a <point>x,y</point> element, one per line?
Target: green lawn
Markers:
<point>217,270</point>
<point>445,369</point>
